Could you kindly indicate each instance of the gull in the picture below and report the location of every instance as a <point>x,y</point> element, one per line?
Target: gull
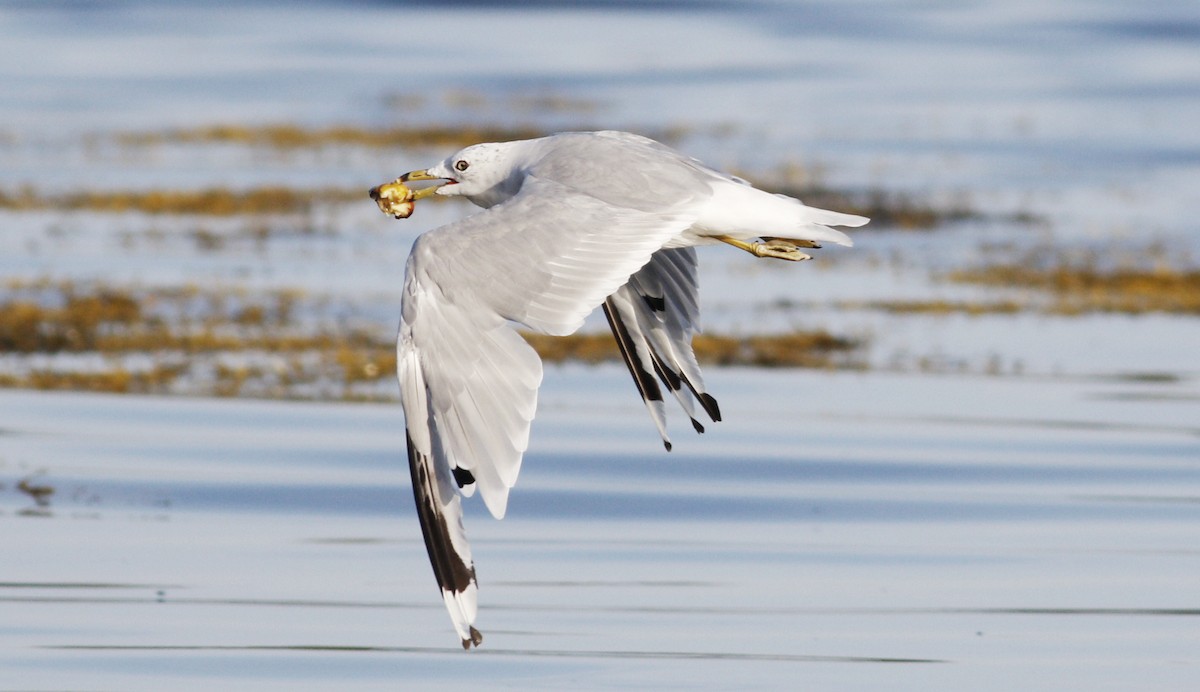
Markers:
<point>571,222</point>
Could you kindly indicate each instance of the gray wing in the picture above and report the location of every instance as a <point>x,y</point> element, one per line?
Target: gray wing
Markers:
<point>625,170</point>
<point>545,258</point>
<point>653,318</point>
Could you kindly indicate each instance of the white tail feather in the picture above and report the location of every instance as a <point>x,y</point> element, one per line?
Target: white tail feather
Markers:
<point>745,212</point>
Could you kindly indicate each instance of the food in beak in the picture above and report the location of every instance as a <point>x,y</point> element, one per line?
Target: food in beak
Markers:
<point>397,199</point>
<point>394,198</point>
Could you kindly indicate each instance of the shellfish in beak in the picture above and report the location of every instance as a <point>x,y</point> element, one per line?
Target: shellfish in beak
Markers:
<point>398,199</point>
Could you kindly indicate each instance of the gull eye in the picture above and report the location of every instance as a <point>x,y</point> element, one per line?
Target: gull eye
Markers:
<point>461,165</point>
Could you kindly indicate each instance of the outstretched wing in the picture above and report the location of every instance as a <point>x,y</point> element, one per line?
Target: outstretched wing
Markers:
<point>545,258</point>
<point>653,318</point>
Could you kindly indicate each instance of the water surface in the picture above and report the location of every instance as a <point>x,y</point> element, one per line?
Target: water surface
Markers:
<point>847,541</point>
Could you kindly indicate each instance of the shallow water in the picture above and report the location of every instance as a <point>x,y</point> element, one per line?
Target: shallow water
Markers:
<point>837,530</point>
<point>1077,115</point>
<point>1080,111</point>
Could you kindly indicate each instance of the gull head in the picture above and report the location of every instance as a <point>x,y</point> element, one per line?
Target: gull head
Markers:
<point>484,173</point>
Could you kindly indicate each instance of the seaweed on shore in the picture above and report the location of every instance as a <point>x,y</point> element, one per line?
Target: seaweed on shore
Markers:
<point>228,344</point>
<point>211,201</point>
<point>1071,288</point>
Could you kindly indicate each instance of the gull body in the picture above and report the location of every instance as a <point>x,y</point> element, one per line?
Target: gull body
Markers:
<point>572,222</point>
<point>636,172</point>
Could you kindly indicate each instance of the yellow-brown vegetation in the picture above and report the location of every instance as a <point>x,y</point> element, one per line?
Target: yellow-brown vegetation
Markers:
<point>291,136</point>
<point>117,380</point>
<point>78,325</point>
<point>1077,289</point>
<point>937,307</point>
<point>168,326</point>
<point>215,201</point>
<point>807,349</point>
<point>815,349</point>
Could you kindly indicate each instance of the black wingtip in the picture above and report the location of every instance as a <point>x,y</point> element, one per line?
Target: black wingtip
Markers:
<point>710,406</point>
<point>696,424</point>
<point>667,445</point>
<point>476,639</point>
<point>453,573</point>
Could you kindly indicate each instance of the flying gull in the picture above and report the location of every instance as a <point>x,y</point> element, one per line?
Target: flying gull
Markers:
<point>572,221</point>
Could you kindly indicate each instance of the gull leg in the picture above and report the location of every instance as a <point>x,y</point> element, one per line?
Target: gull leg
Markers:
<point>798,242</point>
<point>773,247</point>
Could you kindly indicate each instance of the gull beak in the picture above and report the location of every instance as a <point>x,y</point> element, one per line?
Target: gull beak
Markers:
<point>423,175</point>
<point>397,187</point>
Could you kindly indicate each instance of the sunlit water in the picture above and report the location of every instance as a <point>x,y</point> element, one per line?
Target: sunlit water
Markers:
<point>837,531</point>
<point>1082,110</point>
<point>1080,114</point>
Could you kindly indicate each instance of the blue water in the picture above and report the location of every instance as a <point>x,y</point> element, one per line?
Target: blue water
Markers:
<point>1058,109</point>
<point>257,545</point>
<point>836,531</point>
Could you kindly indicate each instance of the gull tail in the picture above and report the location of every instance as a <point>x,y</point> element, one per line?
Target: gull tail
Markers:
<point>814,224</point>
<point>744,212</point>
